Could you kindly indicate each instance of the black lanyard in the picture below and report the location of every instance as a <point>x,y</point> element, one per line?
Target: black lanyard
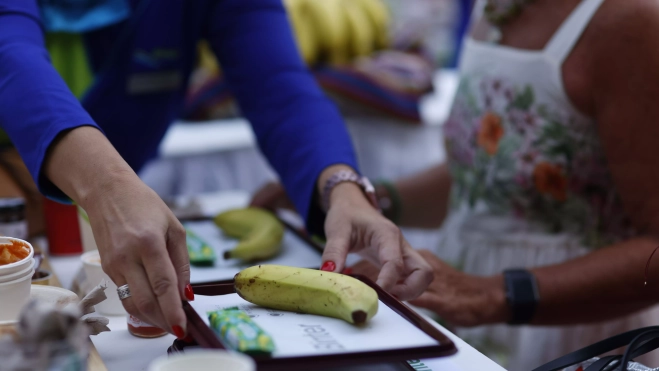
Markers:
<point>638,342</point>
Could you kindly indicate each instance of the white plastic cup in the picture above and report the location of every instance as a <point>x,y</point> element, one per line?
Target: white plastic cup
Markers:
<point>20,265</point>
<point>15,295</point>
<point>14,276</point>
<point>91,263</point>
<point>204,360</point>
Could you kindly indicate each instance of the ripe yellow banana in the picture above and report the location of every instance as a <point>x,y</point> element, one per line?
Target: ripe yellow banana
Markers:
<point>304,30</point>
<point>379,14</point>
<point>259,231</point>
<point>362,32</point>
<point>308,291</point>
<point>331,28</point>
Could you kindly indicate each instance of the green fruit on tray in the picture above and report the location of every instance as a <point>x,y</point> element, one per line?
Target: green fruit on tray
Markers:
<point>259,231</point>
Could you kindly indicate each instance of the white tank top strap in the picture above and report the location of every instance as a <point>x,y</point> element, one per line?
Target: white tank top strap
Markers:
<point>478,10</point>
<point>564,40</point>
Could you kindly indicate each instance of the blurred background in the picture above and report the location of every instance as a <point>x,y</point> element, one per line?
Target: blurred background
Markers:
<point>390,66</point>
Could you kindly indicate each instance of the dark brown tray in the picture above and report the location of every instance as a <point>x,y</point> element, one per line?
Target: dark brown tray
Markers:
<point>205,337</point>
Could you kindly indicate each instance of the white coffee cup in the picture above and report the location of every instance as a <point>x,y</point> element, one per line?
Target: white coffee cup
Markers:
<point>91,263</point>
<point>204,360</point>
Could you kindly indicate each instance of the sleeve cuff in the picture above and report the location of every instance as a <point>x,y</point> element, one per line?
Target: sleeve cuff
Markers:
<point>46,187</point>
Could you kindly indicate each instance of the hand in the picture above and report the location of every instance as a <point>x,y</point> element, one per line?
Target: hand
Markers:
<point>354,225</point>
<point>140,241</point>
<point>142,244</point>
<point>272,196</point>
<point>366,268</point>
<point>463,299</point>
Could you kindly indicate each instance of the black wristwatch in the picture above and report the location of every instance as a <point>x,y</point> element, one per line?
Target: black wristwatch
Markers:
<point>521,294</point>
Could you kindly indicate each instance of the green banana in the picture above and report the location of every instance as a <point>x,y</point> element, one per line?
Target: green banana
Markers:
<point>308,291</point>
<point>259,231</point>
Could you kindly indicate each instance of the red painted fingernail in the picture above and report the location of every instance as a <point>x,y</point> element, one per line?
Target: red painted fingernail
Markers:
<point>178,331</point>
<point>328,266</point>
<point>347,271</point>
<point>189,294</point>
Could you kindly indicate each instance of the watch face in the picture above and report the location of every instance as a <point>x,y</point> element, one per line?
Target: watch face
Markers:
<point>368,187</point>
<point>521,294</point>
<point>369,191</point>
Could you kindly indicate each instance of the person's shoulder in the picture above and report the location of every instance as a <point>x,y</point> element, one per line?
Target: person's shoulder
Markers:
<point>622,32</point>
<point>627,19</point>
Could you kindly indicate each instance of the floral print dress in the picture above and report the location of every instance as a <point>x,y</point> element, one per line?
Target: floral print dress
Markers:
<point>528,160</point>
<point>530,186</point>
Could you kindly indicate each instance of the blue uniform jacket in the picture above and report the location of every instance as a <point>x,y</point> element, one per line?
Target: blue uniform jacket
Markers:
<point>142,66</point>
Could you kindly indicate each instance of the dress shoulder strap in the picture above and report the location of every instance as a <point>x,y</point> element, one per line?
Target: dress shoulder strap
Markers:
<point>478,10</point>
<point>564,40</point>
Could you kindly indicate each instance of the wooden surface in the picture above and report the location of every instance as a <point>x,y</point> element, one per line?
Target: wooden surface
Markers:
<point>95,361</point>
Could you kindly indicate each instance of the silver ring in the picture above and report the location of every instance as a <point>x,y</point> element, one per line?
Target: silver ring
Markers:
<point>123,292</point>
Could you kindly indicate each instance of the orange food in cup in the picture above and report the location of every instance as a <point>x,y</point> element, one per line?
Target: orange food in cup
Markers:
<point>13,253</point>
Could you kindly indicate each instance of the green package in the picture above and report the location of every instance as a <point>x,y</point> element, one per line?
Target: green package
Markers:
<point>239,332</point>
<point>198,250</point>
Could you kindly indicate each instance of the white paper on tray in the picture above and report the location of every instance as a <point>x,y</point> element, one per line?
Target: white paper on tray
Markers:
<point>298,335</point>
<point>294,252</point>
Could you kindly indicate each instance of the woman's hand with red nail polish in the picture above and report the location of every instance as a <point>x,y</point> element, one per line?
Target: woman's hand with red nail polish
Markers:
<point>354,225</point>
<point>142,244</point>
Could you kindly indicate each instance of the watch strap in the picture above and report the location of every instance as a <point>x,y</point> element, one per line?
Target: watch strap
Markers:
<point>342,176</point>
<point>521,294</point>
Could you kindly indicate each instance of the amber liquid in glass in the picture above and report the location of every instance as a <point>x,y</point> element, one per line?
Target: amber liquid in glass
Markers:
<point>139,328</point>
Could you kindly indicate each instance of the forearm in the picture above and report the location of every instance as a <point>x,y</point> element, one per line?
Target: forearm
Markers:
<point>601,285</point>
<point>84,165</point>
<point>423,197</point>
